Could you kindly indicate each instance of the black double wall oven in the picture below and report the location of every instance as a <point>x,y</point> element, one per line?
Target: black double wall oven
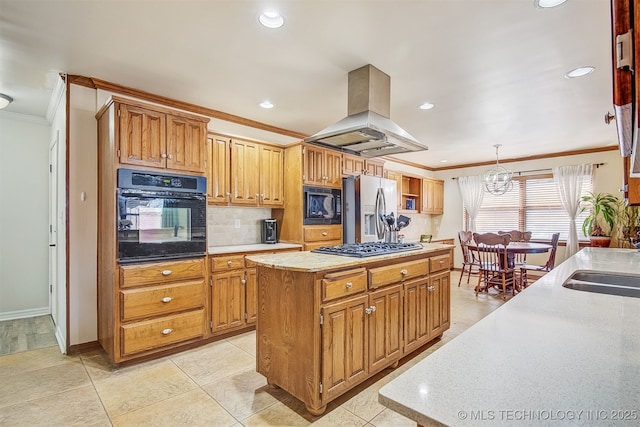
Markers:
<point>161,216</point>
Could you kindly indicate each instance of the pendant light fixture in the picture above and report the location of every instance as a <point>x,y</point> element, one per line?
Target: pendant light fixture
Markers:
<point>497,180</point>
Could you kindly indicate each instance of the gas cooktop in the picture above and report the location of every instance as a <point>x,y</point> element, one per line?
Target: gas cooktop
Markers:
<point>362,250</point>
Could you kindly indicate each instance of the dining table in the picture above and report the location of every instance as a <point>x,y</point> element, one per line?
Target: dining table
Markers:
<point>514,248</point>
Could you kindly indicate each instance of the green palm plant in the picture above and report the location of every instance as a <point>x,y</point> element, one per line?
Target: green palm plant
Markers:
<point>604,209</point>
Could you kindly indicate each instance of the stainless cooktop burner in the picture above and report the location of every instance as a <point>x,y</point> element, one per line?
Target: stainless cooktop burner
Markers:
<point>362,250</point>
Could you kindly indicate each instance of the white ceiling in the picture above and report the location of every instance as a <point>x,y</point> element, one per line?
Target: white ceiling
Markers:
<point>494,68</point>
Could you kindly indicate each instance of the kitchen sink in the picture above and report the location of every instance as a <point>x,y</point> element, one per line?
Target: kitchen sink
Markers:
<point>626,285</point>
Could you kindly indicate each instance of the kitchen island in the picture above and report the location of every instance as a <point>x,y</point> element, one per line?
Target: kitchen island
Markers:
<point>549,356</point>
<point>327,323</point>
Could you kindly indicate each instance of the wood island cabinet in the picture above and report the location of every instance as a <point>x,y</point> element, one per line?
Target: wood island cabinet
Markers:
<point>336,327</point>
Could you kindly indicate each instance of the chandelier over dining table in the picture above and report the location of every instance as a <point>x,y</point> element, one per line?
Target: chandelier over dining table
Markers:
<point>497,180</point>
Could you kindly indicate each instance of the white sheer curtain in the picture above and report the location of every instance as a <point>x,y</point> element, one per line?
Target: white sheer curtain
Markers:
<point>472,191</point>
<point>568,180</point>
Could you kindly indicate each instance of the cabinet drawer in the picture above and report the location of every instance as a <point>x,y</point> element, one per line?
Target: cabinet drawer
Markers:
<point>398,272</point>
<point>439,263</point>
<point>227,262</point>
<point>336,285</point>
<point>315,245</point>
<point>150,334</point>
<point>146,274</point>
<point>317,234</point>
<point>152,301</point>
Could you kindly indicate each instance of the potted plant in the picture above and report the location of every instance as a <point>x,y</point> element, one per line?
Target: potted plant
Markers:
<point>599,225</point>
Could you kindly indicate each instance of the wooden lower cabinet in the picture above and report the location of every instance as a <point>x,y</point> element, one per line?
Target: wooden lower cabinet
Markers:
<point>320,333</point>
<point>159,306</point>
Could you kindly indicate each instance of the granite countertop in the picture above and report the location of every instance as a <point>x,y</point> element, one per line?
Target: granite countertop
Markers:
<point>311,261</point>
<point>256,247</point>
<point>550,355</point>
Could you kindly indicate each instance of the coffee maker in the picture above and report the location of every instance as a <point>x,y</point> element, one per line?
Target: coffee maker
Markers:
<point>269,231</point>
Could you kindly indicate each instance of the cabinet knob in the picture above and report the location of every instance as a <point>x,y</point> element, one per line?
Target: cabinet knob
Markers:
<point>170,156</point>
<point>324,233</point>
<point>404,271</point>
<point>431,288</point>
<point>166,299</point>
<point>166,272</point>
<point>348,285</point>
<point>370,310</point>
<point>243,281</point>
<point>167,331</point>
<point>163,155</point>
<point>229,263</point>
<point>441,261</point>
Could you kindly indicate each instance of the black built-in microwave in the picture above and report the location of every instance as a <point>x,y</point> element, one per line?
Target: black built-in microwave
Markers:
<point>322,205</point>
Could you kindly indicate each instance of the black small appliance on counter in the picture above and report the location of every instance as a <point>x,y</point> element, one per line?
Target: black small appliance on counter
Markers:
<point>269,231</point>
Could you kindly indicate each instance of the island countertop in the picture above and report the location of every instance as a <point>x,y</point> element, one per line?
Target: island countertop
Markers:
<point>311,261</point>
<point>256,247</point>
<point>550,355</point>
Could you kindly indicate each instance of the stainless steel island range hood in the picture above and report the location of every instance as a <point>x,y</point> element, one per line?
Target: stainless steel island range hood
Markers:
<point>367,130</point>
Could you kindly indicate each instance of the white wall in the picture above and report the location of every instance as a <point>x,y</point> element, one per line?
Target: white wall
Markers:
<point>24,170</point>
<point>608,178</point>
<point>83,216</point>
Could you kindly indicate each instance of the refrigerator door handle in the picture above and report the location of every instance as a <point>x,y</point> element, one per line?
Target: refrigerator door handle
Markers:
<point>381,209</point>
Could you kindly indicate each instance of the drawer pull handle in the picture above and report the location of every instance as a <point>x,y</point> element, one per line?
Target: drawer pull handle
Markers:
<point>166,272</point>
<point>441,261</point>
<point>167,331</point>
<point>324,233</point>
<point>348,285</point>
<point>229,262</point>
<point>166,299</point>
<point>404,271</point>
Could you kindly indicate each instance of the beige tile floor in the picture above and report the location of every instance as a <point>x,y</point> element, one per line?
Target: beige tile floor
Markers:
<point>213,385</point>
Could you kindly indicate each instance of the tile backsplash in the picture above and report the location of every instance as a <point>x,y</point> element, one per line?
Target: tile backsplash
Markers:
<point>221,225</point>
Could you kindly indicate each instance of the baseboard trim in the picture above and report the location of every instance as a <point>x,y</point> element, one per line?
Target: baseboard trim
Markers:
<point>23,314</point>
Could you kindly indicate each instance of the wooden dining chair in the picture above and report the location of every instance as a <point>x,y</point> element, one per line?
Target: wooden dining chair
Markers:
<point>548,266</point>
<point>491,251</point>
<point>470,263</point>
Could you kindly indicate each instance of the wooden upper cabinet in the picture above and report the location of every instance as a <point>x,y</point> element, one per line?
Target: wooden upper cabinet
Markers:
<point>356,165</point>
<point>352,165</point>
<point>157,139</point>
<point>218,170</point>
<point>322,167</point>
<point>271,176</point>
<point>245,163</point>
<point>432,196</point>
<point>142,136</point>
<point>374,167</point>
<point>186,144</point>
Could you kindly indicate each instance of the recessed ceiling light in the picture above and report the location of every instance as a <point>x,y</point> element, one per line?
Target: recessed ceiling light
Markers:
<point>544,4</point>
<point>427,106</point>
<point>444,161</point>
<point>5,100</point>
<point>579,72</point>
<point>271,19</point>
<point>266,104</point>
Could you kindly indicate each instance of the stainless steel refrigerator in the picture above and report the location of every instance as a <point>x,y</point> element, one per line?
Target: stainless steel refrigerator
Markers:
<point>365,198</point>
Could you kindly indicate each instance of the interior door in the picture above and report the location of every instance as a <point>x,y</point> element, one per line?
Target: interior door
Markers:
<point>53,229</point>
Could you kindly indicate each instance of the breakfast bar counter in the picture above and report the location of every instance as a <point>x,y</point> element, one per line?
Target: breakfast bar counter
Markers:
<point>549,356</point>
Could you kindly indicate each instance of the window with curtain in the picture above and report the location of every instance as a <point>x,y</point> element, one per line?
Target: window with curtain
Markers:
<point>532,205</point>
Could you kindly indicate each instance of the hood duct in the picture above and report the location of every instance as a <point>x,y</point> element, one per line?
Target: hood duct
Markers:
<point>367,130</point>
